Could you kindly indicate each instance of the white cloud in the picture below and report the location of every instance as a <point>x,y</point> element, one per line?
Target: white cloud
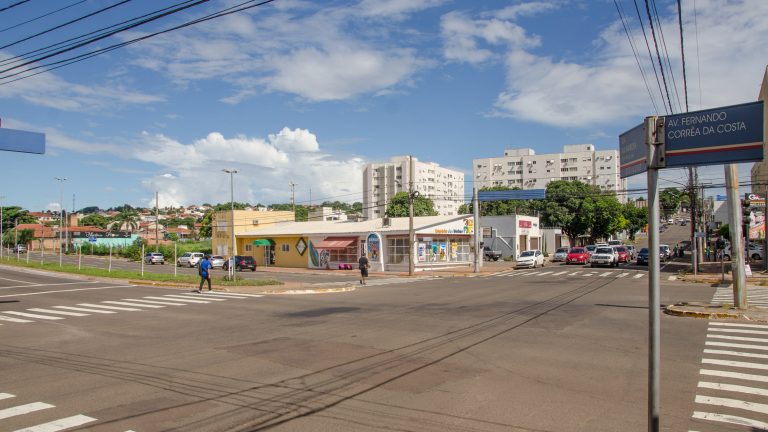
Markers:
<point>607,86</point>
<point>54,207</point>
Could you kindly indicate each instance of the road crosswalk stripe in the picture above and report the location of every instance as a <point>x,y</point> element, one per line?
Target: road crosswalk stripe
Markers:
<point>725,418</point>
<point>168,303</point>
<point>671,278</point>
<point>732,330</point>
<point>24,409</point>
<point>60,424</point>
<point>559,273</point>
<point>29,315</point>
<point>732,403</point>
<point>588,274</point>
<point>237,294</point>
<point>121,303</point>
<point>732,363</point>
<point>638,276</point>
<point>6,396</point>
<point>734,375</point>
<point>740,338</point>
<point>91,305</point>
<point>736,345</point>
<point>575,273</point>
<point>733,388</point>
<point>605,274</point>
<point>222,296</point>
<point>192,295</point>
<point>51,311</point>
<point>85,310</point>
<point>543,273</point>
<point>12,319</point>
<point>178,300</point>
<point>735,353</point>
<point>722,324</point>
<point>621,275</point>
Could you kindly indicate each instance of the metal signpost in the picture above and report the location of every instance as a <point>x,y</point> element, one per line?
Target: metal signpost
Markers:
<point>725,135</point>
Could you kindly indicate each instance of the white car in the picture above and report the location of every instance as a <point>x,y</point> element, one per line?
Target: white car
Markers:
<point>530,258</point>
<point>755,252</point>
<point>604,255</point>
<point>190,259</point>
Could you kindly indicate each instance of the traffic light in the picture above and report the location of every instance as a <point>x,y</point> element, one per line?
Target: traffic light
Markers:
<point>746,218</point>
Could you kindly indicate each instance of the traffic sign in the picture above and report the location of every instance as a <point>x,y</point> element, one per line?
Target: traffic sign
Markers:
<point>700,234</point>
<point>22,141</point>
<point>716,136</point>
<point>92,239</point>
<point>633,152</point>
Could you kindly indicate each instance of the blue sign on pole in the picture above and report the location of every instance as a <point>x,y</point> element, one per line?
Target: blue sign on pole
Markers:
<point>22,141</point>
<point>633,152</point>
<point>716,136</point>
<point>504,195</point>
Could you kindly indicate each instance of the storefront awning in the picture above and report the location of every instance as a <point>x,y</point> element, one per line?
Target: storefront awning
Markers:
<point>263,242</point>
<point>336,243</point>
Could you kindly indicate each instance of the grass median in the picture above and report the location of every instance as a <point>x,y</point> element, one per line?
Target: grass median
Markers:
<point>134,275</point>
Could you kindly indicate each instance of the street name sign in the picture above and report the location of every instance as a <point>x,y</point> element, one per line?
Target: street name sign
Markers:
<point>716,136</point>
<point>22,141</point>
<point>633,152</point>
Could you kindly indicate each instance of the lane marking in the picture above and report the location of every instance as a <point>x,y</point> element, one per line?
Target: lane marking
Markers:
<point>16,320</point>
<point>575,273</point>
<point>24,409</point>
<point>49,284</point>
<point>736,345</point>
<point>60,424</point>
<point>133,304</point>
<point>6,396</point>
<point>191,295</point>
<point>223,296</point>
<point>733,403</point>
<point>738,325</point>
<point>91,305</point>
<point>29,315</point>
<point>85,310</point>
<point>65,291</point>
<point>18,281</point>
<point>735,353</point>
<point>735,375</point>
<point>732,363</point>
<point>724,418</point>
<point>605,274</point>
<point>50,311</point>
<point>621,275</point>
<point>729,330</point>
<point>733,388</point>
<point>185,300</point>
<point>737,338</point>
<point>156,302</point>
<point>638,276</point>
<point>588,274</point>
<point>559,273</point>
<point>543,273</point>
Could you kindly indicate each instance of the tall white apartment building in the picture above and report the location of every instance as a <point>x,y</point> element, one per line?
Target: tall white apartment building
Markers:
<point>381,181</point>
<point>524,169</point>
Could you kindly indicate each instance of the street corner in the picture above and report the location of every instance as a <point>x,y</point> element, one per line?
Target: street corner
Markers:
<point>717,311</point>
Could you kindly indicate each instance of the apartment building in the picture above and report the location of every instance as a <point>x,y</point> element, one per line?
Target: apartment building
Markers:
<point>381,181</point>
<point>524,169</point>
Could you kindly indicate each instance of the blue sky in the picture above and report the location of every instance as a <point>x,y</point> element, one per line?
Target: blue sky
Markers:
<point>310,91</point>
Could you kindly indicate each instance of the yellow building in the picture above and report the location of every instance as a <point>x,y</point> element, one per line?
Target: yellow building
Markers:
<point>245,221</point>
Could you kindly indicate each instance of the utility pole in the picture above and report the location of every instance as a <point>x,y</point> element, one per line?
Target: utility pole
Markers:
<point>232,264</point>
<point>692,214</point>
<point>61,181</point>
<point>411,240</point>
<point>293,198</point>
<point>737,248</point>
<point>157,220</point>
<point>478,261</point>
<point>654,136</point>
<point>310,203</point>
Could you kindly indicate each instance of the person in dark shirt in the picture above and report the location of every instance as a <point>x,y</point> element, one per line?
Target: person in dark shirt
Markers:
<point>364,265</point>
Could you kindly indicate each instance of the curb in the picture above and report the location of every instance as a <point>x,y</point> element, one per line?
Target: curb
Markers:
<point>347,288</point>
<point>676,311</point>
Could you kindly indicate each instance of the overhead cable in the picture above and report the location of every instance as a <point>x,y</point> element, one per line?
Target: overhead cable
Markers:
<point>42,16</point>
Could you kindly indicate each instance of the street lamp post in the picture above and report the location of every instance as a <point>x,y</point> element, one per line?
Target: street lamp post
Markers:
<point>232,173</point>
<point>61,181</point>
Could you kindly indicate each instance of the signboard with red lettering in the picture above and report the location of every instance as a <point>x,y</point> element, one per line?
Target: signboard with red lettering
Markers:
<point>524,224</point>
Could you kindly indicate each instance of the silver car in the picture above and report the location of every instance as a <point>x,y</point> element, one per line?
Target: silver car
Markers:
<point>217,261</point>
<point>190,259</point>
<point>560,254</point>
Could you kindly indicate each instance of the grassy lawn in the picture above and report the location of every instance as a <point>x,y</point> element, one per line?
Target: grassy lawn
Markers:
<point>134,275</point>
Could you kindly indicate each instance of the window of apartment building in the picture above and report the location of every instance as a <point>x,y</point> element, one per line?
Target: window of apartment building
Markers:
<point>518,163</point>
<point>573,169</point>
<point>563,169</point>
<point>573,159</point>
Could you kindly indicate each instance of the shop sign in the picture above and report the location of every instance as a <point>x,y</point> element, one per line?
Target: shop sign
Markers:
<point>469,226</point>
<point>450,231</point>
<point>422,252</point>
<point>524,224</point>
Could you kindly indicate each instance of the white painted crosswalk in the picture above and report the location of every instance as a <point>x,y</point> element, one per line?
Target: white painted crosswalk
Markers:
<point>756,296</point>
<point>148,303</point>
<point>601,273</point>
<point>733,387</point>
<point>20,414</point>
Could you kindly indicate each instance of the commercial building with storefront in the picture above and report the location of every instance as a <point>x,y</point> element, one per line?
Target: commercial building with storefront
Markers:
<point>441,241</point>
<point>511,234</point>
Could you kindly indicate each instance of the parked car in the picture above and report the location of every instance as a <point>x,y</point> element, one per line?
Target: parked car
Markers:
<point>190,259</point>
<point>623,254</point>
<point>632,252</point>
<point>489,254</point>
<point>642,256</point>
<point>666,253</point>
<point>560,254</point>
<point>591,248</point>
<point>755,252</point>
<point>530,258</point>
<point>604,255</point>
<point>614,242</point>
<point>154,258</point>
<point>577,255</point>
<point>217,261</point>
<point>20,249</point>
<point>242,262</point>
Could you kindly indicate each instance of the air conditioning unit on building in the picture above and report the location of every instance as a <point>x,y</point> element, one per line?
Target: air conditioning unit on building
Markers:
<point>386,222</point>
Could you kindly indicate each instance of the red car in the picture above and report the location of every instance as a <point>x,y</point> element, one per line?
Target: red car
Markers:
<point>624,256</point>
<point>577,255</point>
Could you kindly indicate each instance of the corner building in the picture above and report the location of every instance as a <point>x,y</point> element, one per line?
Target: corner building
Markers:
<point>524,169</point>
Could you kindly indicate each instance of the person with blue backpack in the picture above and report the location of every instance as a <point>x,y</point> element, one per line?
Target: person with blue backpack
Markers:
<point>204,269</point>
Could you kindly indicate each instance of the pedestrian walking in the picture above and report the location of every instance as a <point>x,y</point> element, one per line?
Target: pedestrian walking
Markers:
<point>364,265</point>
<point>204,269</point>
<point>708,252</point>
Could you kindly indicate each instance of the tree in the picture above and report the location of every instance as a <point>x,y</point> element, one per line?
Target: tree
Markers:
<point>570,206</point>
<point>398,206</point>
<point>10,214</point>
<point>205,228</point>
<point>89,210</point>
<point>669,201</point>
<point>25,236</point>
<point>724,231</point>
<point>636,216</point>
<point>607,218</point>
<point>127,218</point>
<point>94,220</point>
<point>466,208</point>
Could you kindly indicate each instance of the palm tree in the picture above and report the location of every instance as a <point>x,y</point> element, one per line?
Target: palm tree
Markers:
<point>126,218</point>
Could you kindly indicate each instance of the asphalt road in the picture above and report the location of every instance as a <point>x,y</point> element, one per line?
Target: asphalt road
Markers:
<point>534,350</point>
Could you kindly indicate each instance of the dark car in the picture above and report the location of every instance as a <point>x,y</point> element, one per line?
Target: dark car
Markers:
<point>642,256</point>
<point>242,262</point>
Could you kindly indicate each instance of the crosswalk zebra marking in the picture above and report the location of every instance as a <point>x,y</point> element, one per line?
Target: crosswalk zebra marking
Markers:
<point>733,388</point>
<point>732,330</point>
<point>732,403</point>
<point>174,299</point>
<point>734,375</point>
<point>736,345</point>
<point>543,273</point>
<point>122,303</point>
<point>192,296</point>
<point>126,309</point>
<point>23,409</point>
<point>735,353</point>
<point>168,303</point>
<point>85,310</point>
<point>738,338</point>
<point>638,276</point>
<point>29,315</point>
<point>725,418</point>
<point>60,424</point>
<point>605,274</point>
<point>55,312</point>
<point>737,364</point>
<point>12,319</point>
<point>6,396</point>
<point>722,324</point>
<point>559,273</point>
<point>621,275</point>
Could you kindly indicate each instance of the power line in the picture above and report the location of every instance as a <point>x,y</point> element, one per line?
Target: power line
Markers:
<point>634,52</point>
<point>13,5</point>
<point>653,65</point>
<point>698,57</point>
<point>682,52</point>
<point>666,54</point>
<point>658,55</point>
<point>41,16</point>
